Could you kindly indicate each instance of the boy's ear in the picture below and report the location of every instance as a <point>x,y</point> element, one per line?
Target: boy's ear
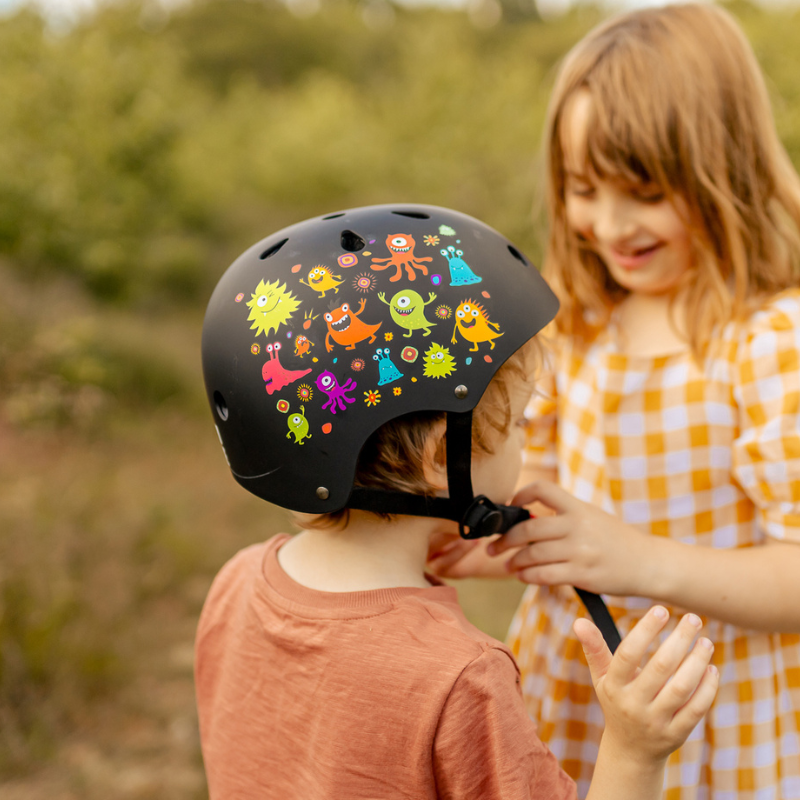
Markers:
<point>434,457</point>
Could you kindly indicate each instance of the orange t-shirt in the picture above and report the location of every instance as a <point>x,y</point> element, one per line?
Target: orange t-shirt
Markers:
<point>369,695</point>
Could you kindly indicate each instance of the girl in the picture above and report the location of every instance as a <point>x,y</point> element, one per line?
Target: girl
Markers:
<point>672,421</point>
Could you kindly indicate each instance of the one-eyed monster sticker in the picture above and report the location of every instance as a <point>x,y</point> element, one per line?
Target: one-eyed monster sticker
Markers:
<point>271,306</point>
<point>408,310</point>
<point>337,395</point>
<point>298,427</point>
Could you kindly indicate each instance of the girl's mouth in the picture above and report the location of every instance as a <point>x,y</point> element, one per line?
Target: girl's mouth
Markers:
<point>634,259</point>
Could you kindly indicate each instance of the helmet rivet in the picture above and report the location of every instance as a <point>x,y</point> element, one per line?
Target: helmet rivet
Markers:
<point>323,493</point>
<point>461,391</point>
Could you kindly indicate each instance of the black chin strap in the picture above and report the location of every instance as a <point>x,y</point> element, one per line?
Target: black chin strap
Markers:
<point>476,516</point>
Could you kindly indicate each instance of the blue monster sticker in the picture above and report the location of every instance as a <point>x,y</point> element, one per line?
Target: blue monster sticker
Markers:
<point>460,272</point>
<point>387,371</point>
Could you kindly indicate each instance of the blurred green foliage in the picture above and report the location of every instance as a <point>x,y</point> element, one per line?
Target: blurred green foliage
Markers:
<point>141,152</point>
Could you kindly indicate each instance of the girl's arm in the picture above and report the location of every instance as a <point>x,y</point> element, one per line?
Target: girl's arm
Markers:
<point>580,545</point>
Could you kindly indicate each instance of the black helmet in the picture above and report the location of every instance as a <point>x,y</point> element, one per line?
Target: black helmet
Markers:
<point>321,333</point>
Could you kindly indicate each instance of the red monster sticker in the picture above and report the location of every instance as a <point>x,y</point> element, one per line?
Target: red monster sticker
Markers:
<point>274,375</point>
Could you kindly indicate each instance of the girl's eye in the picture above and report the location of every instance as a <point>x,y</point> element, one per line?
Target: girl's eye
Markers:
<point>580,189</point>
<point>648,194</point>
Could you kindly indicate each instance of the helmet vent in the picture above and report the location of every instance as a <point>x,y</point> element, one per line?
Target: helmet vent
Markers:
<point>221,406</point>
<point>352,242</point>
<point>516,253</point>
<point>412,214</point>
<point>272,250</point>
<point>334,216</point>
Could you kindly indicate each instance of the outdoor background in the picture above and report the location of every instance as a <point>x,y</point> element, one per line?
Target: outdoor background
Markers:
<point>140,152</point>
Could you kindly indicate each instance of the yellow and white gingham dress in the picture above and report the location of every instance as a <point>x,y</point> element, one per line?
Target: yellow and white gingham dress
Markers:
<point>708,455</point>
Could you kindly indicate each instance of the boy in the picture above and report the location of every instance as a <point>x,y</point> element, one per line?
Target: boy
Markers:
<point>329,665</point>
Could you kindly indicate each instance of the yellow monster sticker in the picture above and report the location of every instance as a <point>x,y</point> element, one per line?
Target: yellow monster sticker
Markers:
<point>474,325</point>
<point>271,306</point>
<point>321,280</point>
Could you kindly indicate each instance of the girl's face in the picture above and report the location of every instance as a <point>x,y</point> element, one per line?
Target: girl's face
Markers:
<point>641,236</point>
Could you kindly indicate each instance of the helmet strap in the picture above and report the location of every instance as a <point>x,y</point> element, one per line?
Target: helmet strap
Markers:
<point>476,516</point>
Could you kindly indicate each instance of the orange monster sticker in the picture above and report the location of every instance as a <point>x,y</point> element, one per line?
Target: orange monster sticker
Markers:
<point>344,327</point>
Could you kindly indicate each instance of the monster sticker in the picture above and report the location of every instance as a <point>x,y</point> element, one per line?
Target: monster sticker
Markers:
<point>408,310</point>
<point>401,246</point>
<point>438,362</point>
<point>271,306</point>
<point>275,376</point>
<point>387,371</point>
<point>298,427</point>
<point>321,280</point>
<point>302,344</point>
<point>474,325</point>
<point>337,395</point>
<point>345,327</point>
<point>460,272</point>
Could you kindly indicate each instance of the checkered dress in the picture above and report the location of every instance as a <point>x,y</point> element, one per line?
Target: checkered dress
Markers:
<point>709,456</point>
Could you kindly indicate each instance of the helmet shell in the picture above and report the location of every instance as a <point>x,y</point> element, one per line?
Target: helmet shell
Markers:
<point>324,331</point>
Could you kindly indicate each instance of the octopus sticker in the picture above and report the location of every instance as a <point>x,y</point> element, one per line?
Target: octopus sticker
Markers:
<point>337,395</point>
<point>401,247</point>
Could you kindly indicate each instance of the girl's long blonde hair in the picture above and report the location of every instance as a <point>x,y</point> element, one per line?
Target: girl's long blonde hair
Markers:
<point>678,99</point>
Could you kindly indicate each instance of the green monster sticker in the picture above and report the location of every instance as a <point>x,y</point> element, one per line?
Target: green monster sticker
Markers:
<point>438,362</point>
<point>298,426</point>
<point>408,310</point>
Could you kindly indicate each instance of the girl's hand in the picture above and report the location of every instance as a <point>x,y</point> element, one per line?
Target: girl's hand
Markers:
<point>450,556</point>
<point>650,711</point>
<point>580,545</point>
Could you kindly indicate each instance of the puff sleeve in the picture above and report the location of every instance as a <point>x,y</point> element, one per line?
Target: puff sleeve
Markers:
<point>766,453</point>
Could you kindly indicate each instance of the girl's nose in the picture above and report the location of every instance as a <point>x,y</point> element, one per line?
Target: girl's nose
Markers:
<point>613,221</point>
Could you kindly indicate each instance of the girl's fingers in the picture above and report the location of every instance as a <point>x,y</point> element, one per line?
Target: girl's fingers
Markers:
<point>529,532</point>
<point>625,664</point>
<point>665,663</point>
<point>545,552</point>
<point>547,492</point>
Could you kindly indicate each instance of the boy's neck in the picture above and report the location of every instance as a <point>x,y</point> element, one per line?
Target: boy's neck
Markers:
<point>368,553</point>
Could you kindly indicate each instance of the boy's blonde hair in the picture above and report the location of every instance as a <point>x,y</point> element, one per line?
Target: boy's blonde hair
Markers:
<point>678,100</point>
<point>392,459</point>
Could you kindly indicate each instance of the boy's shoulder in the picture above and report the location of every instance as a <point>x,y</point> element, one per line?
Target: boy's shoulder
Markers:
<point>426,626</point>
